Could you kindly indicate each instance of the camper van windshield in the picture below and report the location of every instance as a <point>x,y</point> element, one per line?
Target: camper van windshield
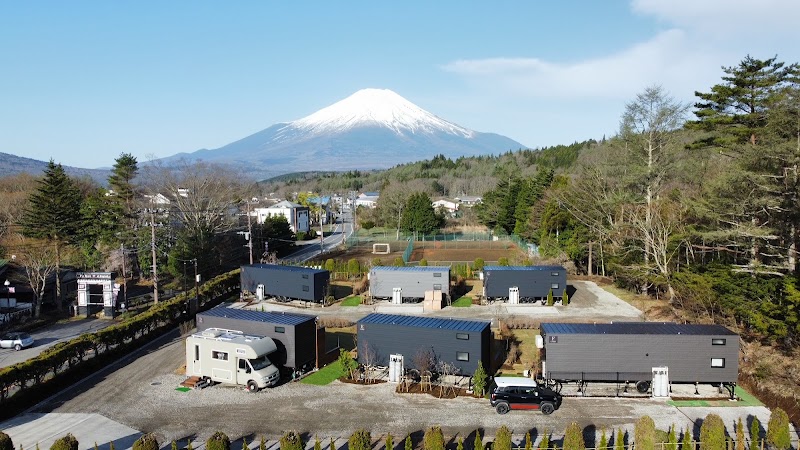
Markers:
<point>260,362</point>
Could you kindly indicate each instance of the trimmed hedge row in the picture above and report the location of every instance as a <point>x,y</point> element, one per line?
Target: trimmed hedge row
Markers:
<point>66,355</point>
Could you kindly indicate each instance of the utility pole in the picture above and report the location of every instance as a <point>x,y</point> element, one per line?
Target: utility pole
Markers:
<point>196,280</point>
<point>124,278</point>
<point>321,231</point>
<point>153,249</point>
<point>249,233</point>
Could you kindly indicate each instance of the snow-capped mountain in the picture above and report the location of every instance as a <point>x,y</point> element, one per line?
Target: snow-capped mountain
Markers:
<point>371,129</point>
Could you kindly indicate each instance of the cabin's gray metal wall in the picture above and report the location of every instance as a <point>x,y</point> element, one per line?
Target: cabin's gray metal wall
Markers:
<point>531,283</point>
<point>387,339</point>
<point>286,283</point>
<point>298,341</point>
<point>600,357</point>
<point>413,283</point>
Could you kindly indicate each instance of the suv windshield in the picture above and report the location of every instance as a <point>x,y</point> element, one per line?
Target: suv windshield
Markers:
<point>260,363</point>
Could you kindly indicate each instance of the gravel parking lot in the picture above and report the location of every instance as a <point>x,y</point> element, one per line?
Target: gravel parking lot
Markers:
<point>141,393</point>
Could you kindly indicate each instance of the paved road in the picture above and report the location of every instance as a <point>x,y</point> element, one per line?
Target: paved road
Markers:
<point>343,228</point>
<point>47,337</point>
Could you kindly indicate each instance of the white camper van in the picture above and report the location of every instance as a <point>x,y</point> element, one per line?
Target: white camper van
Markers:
<point>228,356</point>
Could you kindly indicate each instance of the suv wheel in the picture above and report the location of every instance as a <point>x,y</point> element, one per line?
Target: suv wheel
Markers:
<point>17,347</point>
<point>547,408</point>
<point>502,408</point>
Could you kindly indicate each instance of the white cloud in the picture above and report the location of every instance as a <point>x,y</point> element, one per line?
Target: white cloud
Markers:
<point>668,59</point>
<point>744,18</point>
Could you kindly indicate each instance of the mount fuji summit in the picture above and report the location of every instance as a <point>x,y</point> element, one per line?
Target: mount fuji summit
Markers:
<point>371,129</point>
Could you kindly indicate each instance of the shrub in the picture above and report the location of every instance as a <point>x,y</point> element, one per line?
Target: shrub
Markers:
<point>218,441</point>
<point>67,442</point>
<point>423,262</point>
<point>291,440</point>
<point>603,445</point>
<point>408,444</point>
<point>755,434</point>
<point>778,430</point>
<point>360,440</point>
<point>550,298</point>
<point>712,433</point>
<point>619,441</point>
<point>740,443</point>
<point>353,267</point>
<point>544,444</point>
<point>398,262</point>
<point>564,298</point>
<point>434,439</point>
<point>146,441</point>
<point>376,262</point>
<point>330,265</point>
<point>367,224</point>
<point>672,439</point>
<point>478,264</point>
<point>502,261</point>
<point>479,380</point>
<point>502,439</point>
<point>349,365</point>
<point>478,441</point>
<point>389,442</point>
<point>5,442</point>
<point>460,444</point>
<point>333,445</point>
<point>528,442</point>
<point>686,441</point>
<point>573,437</point>
<point>644,434</point>
<point>244,444</point>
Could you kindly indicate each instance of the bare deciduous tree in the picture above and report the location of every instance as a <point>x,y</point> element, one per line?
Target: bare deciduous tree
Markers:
<point>38,258</point>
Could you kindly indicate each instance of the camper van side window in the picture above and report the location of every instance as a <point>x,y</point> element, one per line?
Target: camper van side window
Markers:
<point>719,341</point>
<point>462,336</point>
<point>280,330</point>
<point>222,356</point>
<point>462,356</point>
<point>717,362</point>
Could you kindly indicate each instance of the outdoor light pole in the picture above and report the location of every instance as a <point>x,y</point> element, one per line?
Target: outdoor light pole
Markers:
<point>196,280</point>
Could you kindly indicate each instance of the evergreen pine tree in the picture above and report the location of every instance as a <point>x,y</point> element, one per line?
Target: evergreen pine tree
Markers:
<point>478,445</point>
<point>603,445</point>
<point>479,380</point>
<point>672,439</point>
<point>54,214</point>
<point>389,442</point>
<point>408,444</point>
<point>740,443</point>
<point>528,442</point>
<point>778,436</point>
<point>755,434</point>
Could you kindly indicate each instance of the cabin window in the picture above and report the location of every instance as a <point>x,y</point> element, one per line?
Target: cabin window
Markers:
<point>717,362</point>
<point>462,356</point>
<point>437,275</point>
<point>718,341</point>
<point>197,353</point>
<point>462,336</point>
<point>222,356</point>
<point>305,288</point>
<point>554,285</point>
<point>305,276</point>
<point>280,329</point>
<point>554,274</point>
<point>437,287</point>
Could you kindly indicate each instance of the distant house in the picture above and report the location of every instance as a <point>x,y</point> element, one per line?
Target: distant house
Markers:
<point>448,206</point>
<point>157,199</point>
<point>469,201</point>
<point>367,199</point>
<point>296,215</point>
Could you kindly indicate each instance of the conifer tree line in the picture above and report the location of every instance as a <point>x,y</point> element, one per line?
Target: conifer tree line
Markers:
<point>712,436</point>
<point>182,216</point>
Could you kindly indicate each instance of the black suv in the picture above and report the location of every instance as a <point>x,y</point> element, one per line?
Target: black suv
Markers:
<point>509,393</point>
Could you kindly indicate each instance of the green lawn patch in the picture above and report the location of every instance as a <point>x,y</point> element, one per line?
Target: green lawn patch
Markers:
<point>183,389</point>
<point>352,301</point>
<point>744,399</point>
<point>326,375</point>
<point>463,302</point>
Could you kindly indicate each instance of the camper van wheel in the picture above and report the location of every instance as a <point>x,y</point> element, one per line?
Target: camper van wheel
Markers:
<point>252,386</point>
<point>547,408</point>
<point>642,386</point>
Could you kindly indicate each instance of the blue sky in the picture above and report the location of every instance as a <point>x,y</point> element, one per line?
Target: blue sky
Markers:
<point>83,81</point>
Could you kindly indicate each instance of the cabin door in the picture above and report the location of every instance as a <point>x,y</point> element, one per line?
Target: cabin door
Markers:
<point>196,360</point>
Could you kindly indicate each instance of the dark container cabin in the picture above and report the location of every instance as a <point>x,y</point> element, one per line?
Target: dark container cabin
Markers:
<point>461,343</point>
<point>285,282</point>
<point>628,352</point>
<point>413,281</point>
<point>534,282</point>
<point>295,334</point>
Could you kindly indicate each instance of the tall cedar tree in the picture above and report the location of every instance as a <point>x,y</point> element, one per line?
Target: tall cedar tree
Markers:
<point>419,215</point>
<point>123,198</point>
<point>737,109</point>
<point>54,214</point>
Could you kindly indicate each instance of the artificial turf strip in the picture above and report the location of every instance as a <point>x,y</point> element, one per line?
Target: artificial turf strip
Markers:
<point>352,301</point>
<point>324,376</point>
<point>463,302</point>
<point>183,389</point>
<point>744,399</point>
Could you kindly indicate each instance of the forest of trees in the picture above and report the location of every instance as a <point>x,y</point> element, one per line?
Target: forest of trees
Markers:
<point>694,203</point>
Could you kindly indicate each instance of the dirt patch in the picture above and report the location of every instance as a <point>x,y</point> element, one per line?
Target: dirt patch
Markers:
<point>464,254</point>
<point>435,391</point>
